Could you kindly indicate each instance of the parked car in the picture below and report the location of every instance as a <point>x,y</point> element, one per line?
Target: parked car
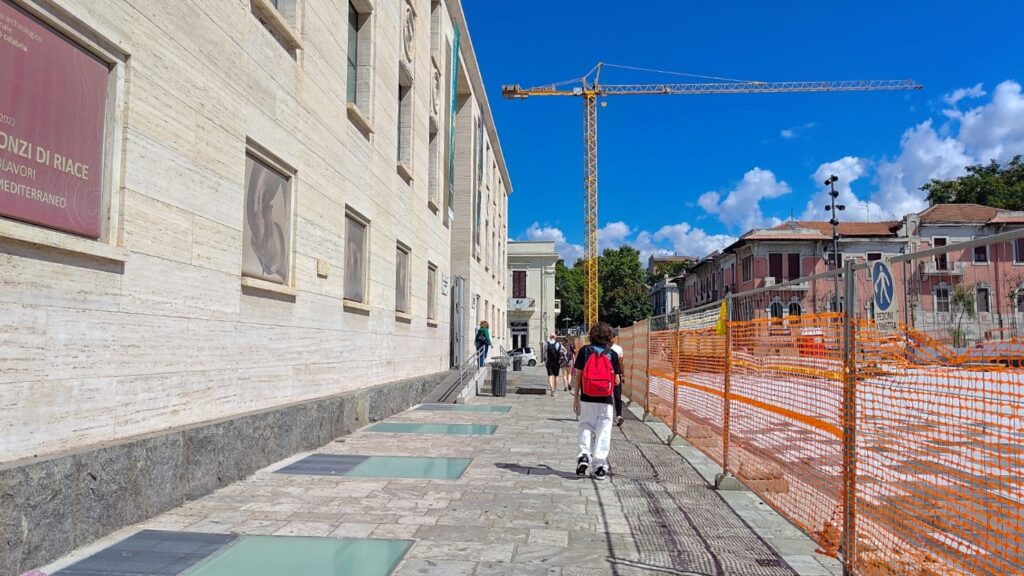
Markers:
<point>528,356</point>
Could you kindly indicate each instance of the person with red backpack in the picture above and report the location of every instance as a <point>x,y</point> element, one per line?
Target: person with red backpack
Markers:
<point>598,371</point>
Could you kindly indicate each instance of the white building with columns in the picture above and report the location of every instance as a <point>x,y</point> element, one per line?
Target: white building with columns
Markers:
<point>532,308</point>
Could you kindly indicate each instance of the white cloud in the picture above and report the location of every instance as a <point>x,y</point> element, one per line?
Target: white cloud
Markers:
<point>787,134</point>
<point>924,155</point>
<point>848,169</point>
<point>961,93</point>
<point>681,239</point>
<point>741,208</point>
<point>995,131</point>
<point>689,241</point>
<point>613,235</point>
<point>989,131</point>
<point>568,252</point>
<point>796,131</point>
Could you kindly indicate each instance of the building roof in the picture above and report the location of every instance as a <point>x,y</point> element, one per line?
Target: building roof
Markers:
<point>1007,217</point>
<point>888,228</point>
<point>958,214</point>
<point>673,258</point>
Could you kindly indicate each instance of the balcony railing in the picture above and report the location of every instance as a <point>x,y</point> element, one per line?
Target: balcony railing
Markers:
<point>951,268</point>
<point>520,304</point>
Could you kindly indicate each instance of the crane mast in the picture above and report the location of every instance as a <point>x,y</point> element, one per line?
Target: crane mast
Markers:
<point>591,91</point>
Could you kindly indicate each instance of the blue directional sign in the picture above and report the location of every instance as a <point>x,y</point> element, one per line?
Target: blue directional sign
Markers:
<point>881,275</point>
<point>886,306</point>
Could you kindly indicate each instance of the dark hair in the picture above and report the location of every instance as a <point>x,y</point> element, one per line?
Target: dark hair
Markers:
<point>601,334</point>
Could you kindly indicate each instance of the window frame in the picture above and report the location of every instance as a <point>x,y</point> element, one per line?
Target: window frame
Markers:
<point>977,300</point>
<point>261,155</point>
<point>935,294</point>
<point>359,72</point>
<point>356,217</point>
<point>515,283</point>
<point>1018,251</point>
<point>403,128</point>
<point>431,293</point>
<point>944,256</point>
<point>974,255</point>
<point>780,256</point>
<point>747,268</point>
<point>405,291</point>
<point>789,274</point>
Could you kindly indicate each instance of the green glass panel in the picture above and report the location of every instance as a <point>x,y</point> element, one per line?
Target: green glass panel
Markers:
<point>411,467</point>
<point>415,428</point>
<point>466,408</point>
<point>281,555</point>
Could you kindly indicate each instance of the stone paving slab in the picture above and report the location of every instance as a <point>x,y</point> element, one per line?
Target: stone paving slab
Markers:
<point>519,508</point>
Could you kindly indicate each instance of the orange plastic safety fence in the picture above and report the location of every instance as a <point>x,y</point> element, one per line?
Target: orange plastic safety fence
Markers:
<point>700,394</point>
<point>940,458</point>
<point>786,417</point>
<point>661,370</point>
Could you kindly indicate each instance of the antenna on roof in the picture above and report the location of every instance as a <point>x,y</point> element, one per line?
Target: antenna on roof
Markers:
<point>790,214</point>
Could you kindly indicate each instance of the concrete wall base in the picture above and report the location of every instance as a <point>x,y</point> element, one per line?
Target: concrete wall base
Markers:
<point>726,481</point>
<point>53,505</point>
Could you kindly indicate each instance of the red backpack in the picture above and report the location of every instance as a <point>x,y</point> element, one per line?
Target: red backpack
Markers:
<point>598,375</point>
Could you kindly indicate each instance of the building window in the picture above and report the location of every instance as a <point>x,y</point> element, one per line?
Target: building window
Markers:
<point>832,260</point>
<point>519,284</point>
<point>795,309</point>
<point>793,266</point>
<point>1018,251</point>
<point>404,135</point>
<point>434,176</point>
<point>267,227</point>
<point>431,292</point>
<point>981,254</point>
<point>873,256</point>
<point>747,265</point>
<point>981,300</point>
<point>776,309</point>
<point>479,152</point>
<point>941,260</point>
<point>359,54</point>
<point>775,266</point>
<point>1019,300</point>
<point>402,278</point>
<point>942,299</point>
<point>356,244</point>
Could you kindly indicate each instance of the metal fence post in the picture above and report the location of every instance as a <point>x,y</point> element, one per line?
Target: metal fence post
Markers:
<point>647,372</point>
<point>675,380</point>
<point>849,417</point>
<point>727,391</point>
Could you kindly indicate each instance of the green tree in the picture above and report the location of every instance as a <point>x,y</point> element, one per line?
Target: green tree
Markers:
<point>624,296</point>
<point>988,184</point>
<point>569,285</point>
<point>961,304</point>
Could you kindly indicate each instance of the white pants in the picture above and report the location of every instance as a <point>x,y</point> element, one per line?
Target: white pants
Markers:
<point>596,432</point>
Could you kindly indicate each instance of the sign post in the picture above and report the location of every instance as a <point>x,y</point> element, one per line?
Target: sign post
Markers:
<point>887,306</point>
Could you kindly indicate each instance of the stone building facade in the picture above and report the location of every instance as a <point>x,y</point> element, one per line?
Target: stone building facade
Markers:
<point>224,223</point>
<point>532,308</point>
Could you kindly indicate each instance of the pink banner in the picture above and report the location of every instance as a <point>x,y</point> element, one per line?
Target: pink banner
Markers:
<point>53,98</point>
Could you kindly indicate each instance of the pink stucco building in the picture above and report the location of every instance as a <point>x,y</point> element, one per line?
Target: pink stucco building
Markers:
<point>990,278</point>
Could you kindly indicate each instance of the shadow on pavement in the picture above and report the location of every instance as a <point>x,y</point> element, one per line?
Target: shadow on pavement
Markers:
<point>544,470</point>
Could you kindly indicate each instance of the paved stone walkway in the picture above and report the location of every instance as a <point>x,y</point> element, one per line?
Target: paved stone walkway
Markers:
<point>519,509</point>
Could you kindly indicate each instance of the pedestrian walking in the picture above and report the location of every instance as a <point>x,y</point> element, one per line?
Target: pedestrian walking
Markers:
<point>618,385</point>
<point>568,357</point>
<point>597,372</point>
<point>483,342</point>
<point>553,351</point>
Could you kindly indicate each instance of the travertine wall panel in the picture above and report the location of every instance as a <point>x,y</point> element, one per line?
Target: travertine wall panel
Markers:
<point>93,350</point>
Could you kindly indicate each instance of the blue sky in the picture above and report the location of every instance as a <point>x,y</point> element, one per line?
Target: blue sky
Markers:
<point>685,174</point>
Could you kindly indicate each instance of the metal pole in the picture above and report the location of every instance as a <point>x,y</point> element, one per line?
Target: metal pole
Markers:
<point>727,391</point>
<point>849,535</point>
<point>675,379</point>
<point>836,264</point>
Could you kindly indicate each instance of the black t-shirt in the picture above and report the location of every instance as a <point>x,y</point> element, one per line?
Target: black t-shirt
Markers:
<point>581,361</point>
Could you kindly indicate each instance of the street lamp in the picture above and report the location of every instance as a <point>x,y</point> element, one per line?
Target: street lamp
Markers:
<point>834,208</point>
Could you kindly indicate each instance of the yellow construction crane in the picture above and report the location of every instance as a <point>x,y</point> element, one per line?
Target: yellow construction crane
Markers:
<point>590,90</point>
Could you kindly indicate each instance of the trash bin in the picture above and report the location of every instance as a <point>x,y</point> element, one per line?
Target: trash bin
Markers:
<point>499,376</point>
<point>517,363</point>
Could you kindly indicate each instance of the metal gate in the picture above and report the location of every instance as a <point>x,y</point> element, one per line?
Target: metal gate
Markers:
<point>458,324</point>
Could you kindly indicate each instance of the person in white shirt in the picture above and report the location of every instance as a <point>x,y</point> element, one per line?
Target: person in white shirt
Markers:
<point>618,387</point>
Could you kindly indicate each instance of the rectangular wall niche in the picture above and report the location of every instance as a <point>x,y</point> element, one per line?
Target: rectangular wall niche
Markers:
<point>53,110</point>
<point>267,229</point>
